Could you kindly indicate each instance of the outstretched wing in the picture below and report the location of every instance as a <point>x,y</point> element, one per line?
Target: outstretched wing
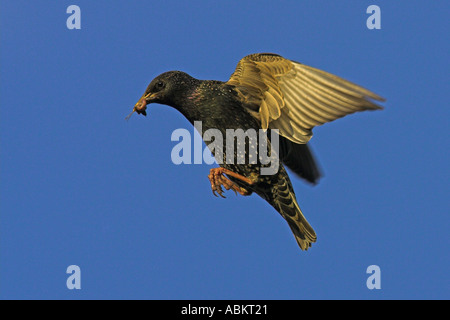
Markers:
<point>294,98</point>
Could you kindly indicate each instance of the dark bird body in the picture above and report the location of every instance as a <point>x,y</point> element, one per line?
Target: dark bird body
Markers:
<point>257,97</point>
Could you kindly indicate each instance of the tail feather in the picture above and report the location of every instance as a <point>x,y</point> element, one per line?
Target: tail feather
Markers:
<point>302,230</point>
<point>286,204</point>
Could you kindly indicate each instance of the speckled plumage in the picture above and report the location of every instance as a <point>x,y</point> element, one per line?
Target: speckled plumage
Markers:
<point>257,85</point>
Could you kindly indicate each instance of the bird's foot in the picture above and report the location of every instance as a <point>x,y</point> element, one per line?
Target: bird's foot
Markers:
<point>218,180</point>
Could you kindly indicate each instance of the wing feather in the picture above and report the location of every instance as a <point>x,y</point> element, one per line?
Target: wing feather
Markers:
<point>295,98</point>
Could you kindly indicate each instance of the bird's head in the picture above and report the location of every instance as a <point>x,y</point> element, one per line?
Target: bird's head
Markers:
<point>167,88</point>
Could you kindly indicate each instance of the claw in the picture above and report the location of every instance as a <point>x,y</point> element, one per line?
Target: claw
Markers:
<point>215,185</point>
<point>218,180</point>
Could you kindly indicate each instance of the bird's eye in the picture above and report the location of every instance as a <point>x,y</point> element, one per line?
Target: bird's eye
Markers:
<point>159,85</point>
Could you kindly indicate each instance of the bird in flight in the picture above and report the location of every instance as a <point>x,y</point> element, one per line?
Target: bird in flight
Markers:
<point>268,92</point>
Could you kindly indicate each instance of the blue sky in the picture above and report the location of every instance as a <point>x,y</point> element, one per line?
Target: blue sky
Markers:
<point>82,186</point>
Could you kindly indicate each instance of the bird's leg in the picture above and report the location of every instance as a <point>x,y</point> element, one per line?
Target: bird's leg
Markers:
<point>218,180</point>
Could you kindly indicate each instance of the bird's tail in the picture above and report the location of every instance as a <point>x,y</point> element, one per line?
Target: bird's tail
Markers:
<point>286,204</point>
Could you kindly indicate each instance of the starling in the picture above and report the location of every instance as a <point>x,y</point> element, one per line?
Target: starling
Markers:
<point>266,91</point>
